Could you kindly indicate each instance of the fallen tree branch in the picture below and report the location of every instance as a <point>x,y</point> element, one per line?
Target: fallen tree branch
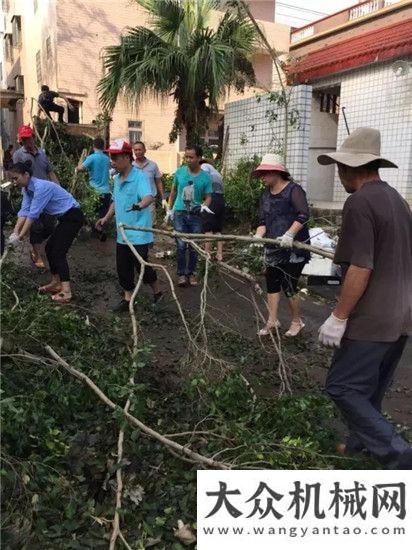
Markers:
<point>119,480</point>
<point>222,237</point>
<point>179,449</point>
<point>229,268</point>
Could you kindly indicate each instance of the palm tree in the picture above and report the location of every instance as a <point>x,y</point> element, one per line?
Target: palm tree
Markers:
<point>181,57</point>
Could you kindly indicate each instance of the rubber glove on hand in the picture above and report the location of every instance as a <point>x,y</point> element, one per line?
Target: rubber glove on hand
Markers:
<point>332,331</point>
<point>286,240</point>
<point>205,208</point>
<point>165,205</point>
<point>14,240</point>
<point>253,245</point>
<point>170,214</point>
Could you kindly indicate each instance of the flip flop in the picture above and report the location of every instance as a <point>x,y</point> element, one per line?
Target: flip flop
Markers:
<point>61,298</point>
<point>47,289</point>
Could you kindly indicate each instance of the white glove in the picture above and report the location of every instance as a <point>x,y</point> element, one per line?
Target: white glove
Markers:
<point>332,331</point>
<point>14,240</point>
<point>165,205</point>
<point>205,208</point>
<point>286,240</point>
<point>253,245</point>
<point>170,214</point>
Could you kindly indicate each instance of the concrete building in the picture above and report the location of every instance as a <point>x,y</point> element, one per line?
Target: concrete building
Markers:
<point>355,63</point>
<point>60,43</point>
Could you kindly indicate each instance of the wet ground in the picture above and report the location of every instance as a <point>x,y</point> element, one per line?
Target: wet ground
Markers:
<point>96,290</point>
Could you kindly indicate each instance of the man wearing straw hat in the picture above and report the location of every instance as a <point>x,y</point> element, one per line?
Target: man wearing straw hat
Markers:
<point>373,317</point>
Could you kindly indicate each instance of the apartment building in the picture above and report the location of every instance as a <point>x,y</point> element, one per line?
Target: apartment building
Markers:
<point>60,43</point>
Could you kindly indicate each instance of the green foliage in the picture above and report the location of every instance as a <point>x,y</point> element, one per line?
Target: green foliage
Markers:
<point>59,441</point>
<point>64,152</point>
<point>242,192</point>
<point>184,57</point>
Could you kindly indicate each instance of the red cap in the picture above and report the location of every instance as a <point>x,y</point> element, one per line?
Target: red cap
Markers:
<point>25,131</point>
<point>119,146</point>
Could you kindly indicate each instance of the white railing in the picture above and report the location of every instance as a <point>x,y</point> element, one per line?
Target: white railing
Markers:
<point>364,9</point>
<point>390,2</point>
<point>304,33</point>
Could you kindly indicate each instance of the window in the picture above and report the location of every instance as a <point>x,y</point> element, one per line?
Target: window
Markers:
<point>16,30</point>
<point>329,103</point>
<point>8,43</point>
<point>135,130</point>
<point>48,48</point>
<point>35,5</point>
<point>6,5</point>
<point>74,116</point>
<point>19,83</point>
<point>38,66</point>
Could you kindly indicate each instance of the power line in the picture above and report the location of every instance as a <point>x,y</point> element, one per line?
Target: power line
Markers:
<point>293,17</point>
<point>290,6</point>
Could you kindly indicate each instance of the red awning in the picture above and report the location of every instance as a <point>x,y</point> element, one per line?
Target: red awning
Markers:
<point>379,45</point>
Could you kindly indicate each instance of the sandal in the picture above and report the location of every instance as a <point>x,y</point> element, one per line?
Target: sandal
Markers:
<point>61,298</point>
<point>295,328</point>
<point>37,260</point>
<point>265,331</point>
<point>191,280</point>
<point>49,289</point>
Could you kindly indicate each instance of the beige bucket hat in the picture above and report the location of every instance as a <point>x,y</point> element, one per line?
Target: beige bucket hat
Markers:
<point>361,147</point>
<point>270,163</point>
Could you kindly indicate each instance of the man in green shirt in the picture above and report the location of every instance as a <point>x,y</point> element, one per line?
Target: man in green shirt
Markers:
<point>191,195</point>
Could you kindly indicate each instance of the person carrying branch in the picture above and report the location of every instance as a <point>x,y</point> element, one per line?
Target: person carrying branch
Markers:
<point>98,166</point>
<point>190,197</point>
<point>283,212</point>
<point>132,196</point>
<point>45,196</point>
<point>373,317</point>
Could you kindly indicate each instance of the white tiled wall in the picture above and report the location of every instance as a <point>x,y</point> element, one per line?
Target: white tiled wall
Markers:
<point>374,96</point>
<point>251,133</point>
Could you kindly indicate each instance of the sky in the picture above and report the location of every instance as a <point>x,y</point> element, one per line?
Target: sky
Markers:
<point>298,13</point>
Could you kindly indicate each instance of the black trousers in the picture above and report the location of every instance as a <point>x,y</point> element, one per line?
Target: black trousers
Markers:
<point>42,228</point>
<point>54,108</point>
<point>127,264</point>
<point>358,378</point>
<point>57,247</point>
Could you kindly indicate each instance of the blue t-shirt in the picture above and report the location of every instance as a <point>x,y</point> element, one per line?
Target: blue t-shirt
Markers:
<point>45,196</point>
<point>98,165</point>
<point>189,195</point>
<point>126,193</point>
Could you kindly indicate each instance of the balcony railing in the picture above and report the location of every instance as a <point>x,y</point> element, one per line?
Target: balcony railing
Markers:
<point>301,34</point>
<point>340,18</point>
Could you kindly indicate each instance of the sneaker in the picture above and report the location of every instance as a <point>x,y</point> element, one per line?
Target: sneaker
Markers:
<point>122,306</point>
<point>158,297</point>
<point>181,281</point>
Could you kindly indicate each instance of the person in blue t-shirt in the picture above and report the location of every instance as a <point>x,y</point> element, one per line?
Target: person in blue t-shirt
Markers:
<point>46,196</point>
<point>98,166</point>
<point>190,196</point>
<point>132,196</point>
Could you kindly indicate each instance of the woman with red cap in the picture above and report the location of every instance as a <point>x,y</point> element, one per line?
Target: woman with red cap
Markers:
<point>283,213</point>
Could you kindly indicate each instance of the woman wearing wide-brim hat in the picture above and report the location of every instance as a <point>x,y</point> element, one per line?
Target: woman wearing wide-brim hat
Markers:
<point>283,212</point>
